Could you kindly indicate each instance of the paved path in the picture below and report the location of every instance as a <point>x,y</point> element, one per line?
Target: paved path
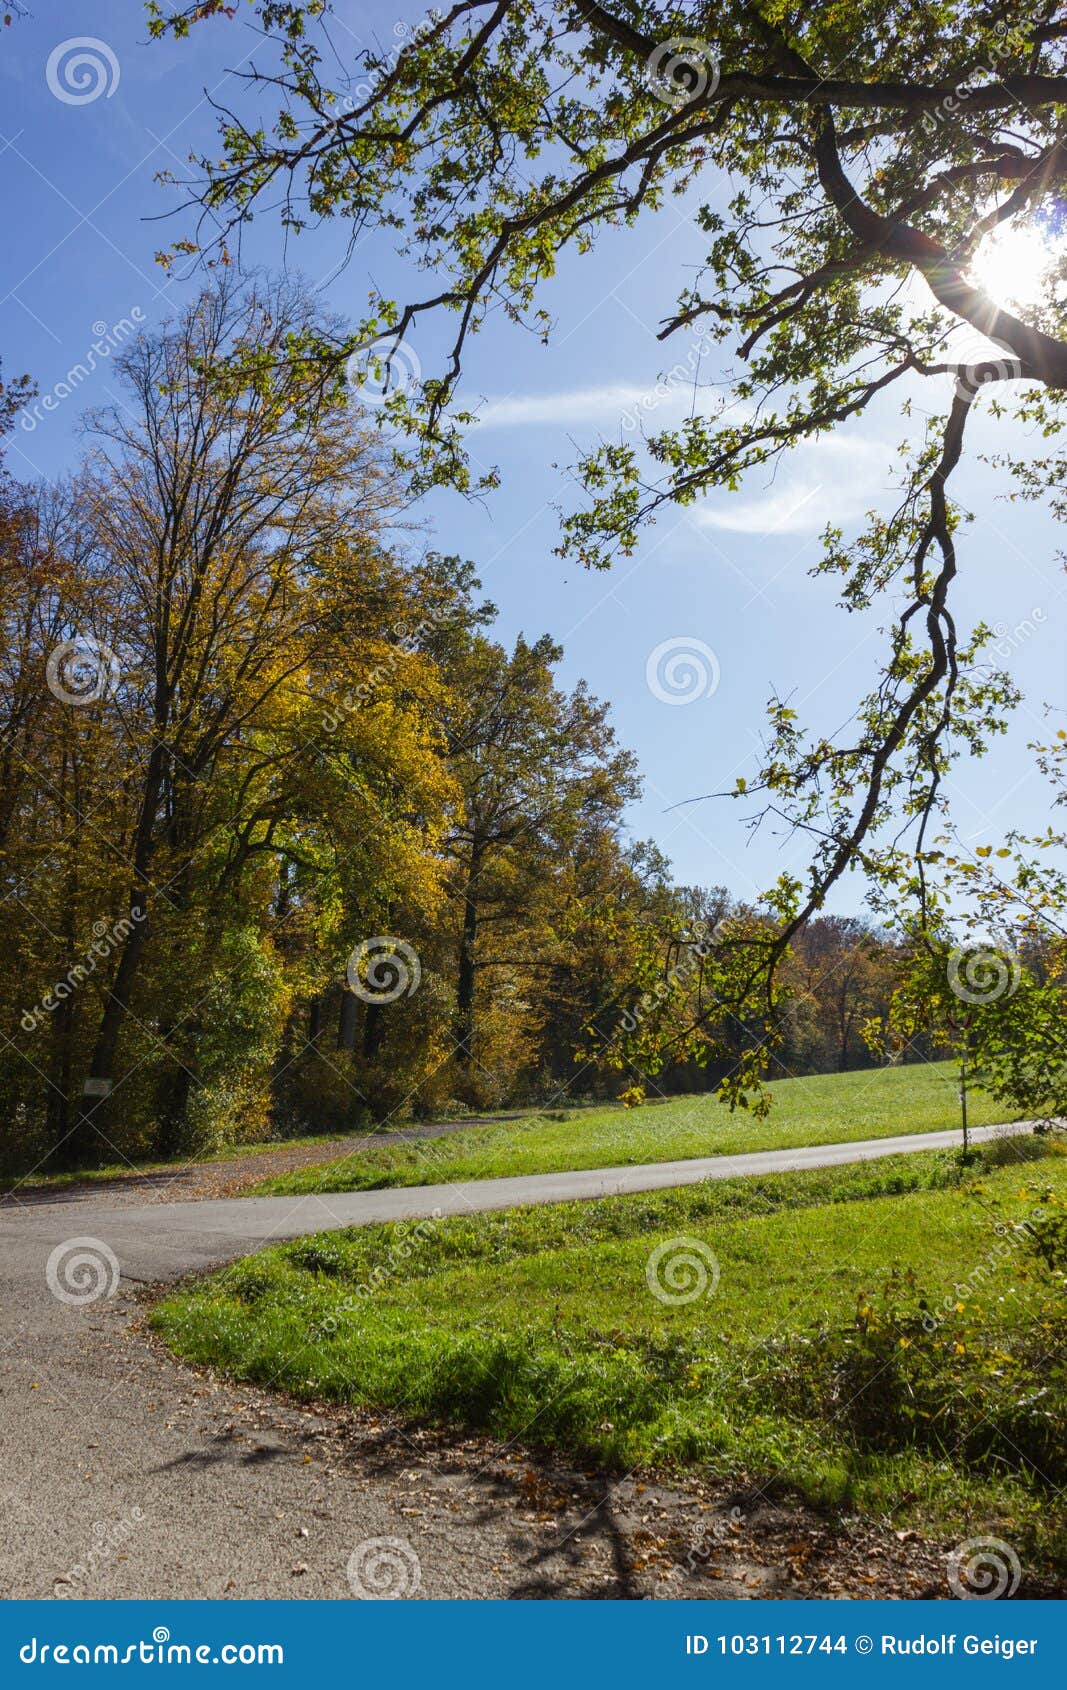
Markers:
<point>230,1175</point>
<point>158,1482</point>
<point>165,1241</point>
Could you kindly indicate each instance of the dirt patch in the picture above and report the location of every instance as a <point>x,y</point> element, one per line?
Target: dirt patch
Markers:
<point>229,1176</point>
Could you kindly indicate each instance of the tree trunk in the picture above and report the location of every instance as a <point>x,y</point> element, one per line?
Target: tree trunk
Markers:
<point>86,1141</point>
<point>172,1102</point>
<point>346,1020</point>
<point>372,1031</point>
<point>467,966</point>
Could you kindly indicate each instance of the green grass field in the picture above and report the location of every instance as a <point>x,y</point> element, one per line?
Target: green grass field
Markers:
<point>822,1109</point>
<point>543,1325</point>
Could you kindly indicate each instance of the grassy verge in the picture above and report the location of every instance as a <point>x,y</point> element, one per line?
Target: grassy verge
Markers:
<point>822,1109</point>
<point>125,1170</point>
<point>543,1325</point>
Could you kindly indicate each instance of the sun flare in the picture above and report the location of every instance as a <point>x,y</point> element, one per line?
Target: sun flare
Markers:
<point>1012,265</point>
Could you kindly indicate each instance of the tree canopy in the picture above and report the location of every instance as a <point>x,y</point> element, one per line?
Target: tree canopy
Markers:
<point>850,167</point>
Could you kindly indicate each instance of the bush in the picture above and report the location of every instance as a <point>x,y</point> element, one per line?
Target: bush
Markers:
<point>901,1377</point>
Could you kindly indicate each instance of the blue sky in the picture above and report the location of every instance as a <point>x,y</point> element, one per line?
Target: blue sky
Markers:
<point>729,578</point>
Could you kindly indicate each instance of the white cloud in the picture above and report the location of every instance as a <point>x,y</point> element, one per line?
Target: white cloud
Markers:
<point>609,407</point>
<point>580,405</point>
<point>790,510</point>
<point>832,480</point>
<point>835,479</point>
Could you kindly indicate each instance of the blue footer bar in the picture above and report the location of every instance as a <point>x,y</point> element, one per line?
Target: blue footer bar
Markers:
<point>557,1644</point>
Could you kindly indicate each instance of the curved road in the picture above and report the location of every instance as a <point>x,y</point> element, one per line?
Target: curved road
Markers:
<point>127,1475</point>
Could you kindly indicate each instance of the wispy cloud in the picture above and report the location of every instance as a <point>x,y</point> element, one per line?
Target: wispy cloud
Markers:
<point>613,405</point>
<point>603,405</point>
<point>832,480</point>
<point>835,479</point>
<point>789,510</point>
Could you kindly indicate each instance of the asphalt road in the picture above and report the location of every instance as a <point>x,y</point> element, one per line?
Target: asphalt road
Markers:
<point>167,1241</point>
<point>127,1475</point>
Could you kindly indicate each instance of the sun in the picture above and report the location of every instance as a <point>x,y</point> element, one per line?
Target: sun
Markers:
<point>1012,265</point>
